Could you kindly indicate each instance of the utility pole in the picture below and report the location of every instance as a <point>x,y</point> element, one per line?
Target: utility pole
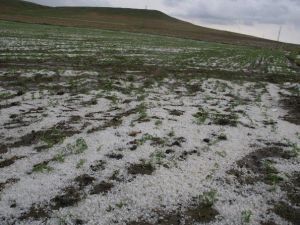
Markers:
<point>279,33</point>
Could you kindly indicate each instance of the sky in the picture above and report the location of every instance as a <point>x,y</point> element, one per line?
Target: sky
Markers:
<point>262,18</point>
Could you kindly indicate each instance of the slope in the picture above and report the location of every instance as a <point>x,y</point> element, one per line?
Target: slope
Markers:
<point>132,20</point>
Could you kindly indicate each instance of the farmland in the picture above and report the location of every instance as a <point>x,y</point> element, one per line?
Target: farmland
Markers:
<point>124,19</point>
<point>108,127</point>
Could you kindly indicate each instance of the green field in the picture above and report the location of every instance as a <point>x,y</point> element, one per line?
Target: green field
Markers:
<point>122,19</point>
<point>25,45</point>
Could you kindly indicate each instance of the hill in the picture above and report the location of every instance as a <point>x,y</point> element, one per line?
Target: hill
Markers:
<point>132,20</point>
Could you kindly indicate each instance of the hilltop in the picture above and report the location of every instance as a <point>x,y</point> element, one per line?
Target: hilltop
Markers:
<point>123,19</point>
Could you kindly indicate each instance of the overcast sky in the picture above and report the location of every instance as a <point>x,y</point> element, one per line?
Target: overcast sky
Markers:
<point>261,18</point>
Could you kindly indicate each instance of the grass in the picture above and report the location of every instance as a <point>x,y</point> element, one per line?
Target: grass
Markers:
<point>217,139</point>
<point>133,20</point>
<point>217,118</point>
<point>52,137</point>
<point>141,97</point>
<point>171,133</point>
<point>80,163</point>
<point>42,167</point>
<point>274,179</point>
<point>158,157</point>
<point>158,49</point>
<point>60,157</point>
<point>225,119</point>
<point>145,138</point>
<point>294,149</point>
<point>209,198</point>
<point>78,147</point>
<point>246,216</point>
<point>158,123</point>
<point>142,111</point>
<point>120,205</point>
<point>154,140</point>
<point>201,116</point>
<point>5,95</point>
<point>269,167</point>
<point>114,99</point>
<point>223,154</point>
<point>271,173</point>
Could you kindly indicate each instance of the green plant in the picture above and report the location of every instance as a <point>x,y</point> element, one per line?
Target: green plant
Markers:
<point>148,83</point>
<point>209,198</point>
<point>158,157</point>
<point>42,167</point>
<point>73,84</point>
<point>246,216</point>
<point>141,97</point>
<point>294,151</point>
<point>271,173</point>
<point>41,94</point>
<point>59,158</point>
<point>273,125</point>
<point>144,139</point>
<point>114,99</point>
<point>222,137</point>
<point>142,111</point>
<point>109,208</point>
<point>120,204</point>
<point>52,137</point>
<point>130,78</point>
<point>201,116</point>
<point>80,163</point>
<point>4,95</point>
<point>65,219</point>
<point>158,123</point>
<point>148,137</point>
<point>172,133</point>
<point>222,153</point>
<point>274,178</point>
<point>269,167</point>
<point>207,98</point>
<point>52,102</point>
<point>108,86</point>
<point>225,119</point>
<point>78,147</point>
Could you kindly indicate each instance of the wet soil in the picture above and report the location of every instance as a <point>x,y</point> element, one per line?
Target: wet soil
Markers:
<point>288,212</point>
<point>292,105</point>
<point>102,187</point>
<point>195,214</point>
<point>141,168</point>
<point>10,161</point>
<point>254,162</point>
<point>35,212</point>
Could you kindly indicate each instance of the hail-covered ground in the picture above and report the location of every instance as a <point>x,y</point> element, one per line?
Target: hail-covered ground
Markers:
<point>101,127</point>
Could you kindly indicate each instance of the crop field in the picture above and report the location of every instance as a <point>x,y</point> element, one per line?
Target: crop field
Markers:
<point>124,19</point>
<point>104,127</point>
